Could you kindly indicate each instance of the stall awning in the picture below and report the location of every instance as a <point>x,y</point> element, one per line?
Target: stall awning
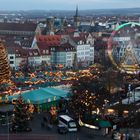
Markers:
<point>104,124</point>
<point>42,95</point>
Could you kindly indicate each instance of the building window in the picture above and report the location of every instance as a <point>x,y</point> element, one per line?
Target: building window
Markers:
<point>11,57</point>
<point>43,51</point>
<point>47,51</point>
<point>86,53</point>
<point>11,62</point>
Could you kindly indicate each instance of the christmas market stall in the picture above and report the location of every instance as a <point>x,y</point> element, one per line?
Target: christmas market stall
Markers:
<point>43,98</point>
<point>95,126</point>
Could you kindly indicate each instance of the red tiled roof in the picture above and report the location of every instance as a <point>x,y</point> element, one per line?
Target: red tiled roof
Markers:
<point>12,49</point>
<point>20,52</point>
<point>24,53</point>
<point>82,36</point>
<point>33,52</point>
<point>67,47</point>
<point>45,52</point>
<point>70,30</point>
<point>11,41</point>
<point>79,38</point>
<point>66,31</point>
<point>18,26</point>
<point>44,48</point>
<point>48,40</point>
<point>40,44</point>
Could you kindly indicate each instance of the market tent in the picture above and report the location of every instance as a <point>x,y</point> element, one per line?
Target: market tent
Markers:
<point>104,124</point>
<point>43,95</point>
<point>56,92</point>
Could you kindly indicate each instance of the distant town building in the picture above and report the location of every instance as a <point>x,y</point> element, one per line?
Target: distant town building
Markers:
<point>84,50</point>
<point>24,29</point>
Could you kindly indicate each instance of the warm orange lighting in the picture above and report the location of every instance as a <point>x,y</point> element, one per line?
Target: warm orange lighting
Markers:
<point>111,111</point>
<point>125,112</point>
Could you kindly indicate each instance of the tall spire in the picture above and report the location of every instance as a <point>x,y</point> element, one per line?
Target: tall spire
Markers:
<point>76,17</point>
<point>76,14</point>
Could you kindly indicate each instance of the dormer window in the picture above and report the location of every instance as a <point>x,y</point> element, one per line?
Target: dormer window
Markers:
<point>47,51</point>
<point>35,53</point>
<point>43,51</point>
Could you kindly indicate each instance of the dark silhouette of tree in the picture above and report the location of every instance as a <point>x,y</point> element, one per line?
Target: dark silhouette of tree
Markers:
<point>88,95</point>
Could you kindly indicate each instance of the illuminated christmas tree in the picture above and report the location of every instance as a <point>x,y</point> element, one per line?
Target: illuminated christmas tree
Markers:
<point>22,115</point>
<point>6,85</point>
<point>5,72</point>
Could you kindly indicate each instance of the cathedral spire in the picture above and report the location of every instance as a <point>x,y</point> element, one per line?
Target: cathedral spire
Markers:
<point>76,17</point>
<point>76,14</point>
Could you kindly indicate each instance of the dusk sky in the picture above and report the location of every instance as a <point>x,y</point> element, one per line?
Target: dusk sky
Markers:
<point>66,4</point>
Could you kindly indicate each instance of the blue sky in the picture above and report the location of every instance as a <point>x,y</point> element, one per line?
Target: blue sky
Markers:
<point>66,4</point>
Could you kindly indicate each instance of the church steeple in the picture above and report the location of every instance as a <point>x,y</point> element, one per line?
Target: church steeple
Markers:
<point>76,17</point>
<point>76,14</point>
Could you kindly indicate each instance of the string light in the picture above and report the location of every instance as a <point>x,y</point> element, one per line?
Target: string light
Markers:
<point>5,72</point>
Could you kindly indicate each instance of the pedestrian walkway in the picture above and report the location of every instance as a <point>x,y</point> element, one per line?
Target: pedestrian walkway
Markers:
<point>27,137</point>
<point>133,133</point>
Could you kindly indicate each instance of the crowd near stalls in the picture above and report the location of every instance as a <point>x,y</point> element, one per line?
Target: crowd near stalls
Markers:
<point>21,82</point>
<point>43,98</point>
<point>55,93</point>
<point>18,110</point>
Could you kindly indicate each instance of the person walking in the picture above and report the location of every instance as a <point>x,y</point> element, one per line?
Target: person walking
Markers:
<point>127,136</point>
<point>124,137</point>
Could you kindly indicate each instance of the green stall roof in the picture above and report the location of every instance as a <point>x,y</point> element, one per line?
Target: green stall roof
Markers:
<point>104,124</point>
<point>42,95</point>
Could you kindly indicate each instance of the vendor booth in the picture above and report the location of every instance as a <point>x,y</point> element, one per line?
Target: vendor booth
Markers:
<point>43,98</point>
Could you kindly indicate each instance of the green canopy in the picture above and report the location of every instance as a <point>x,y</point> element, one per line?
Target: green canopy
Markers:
<point>43,95</point>
<point>56,92</point>
<point>104,124</point>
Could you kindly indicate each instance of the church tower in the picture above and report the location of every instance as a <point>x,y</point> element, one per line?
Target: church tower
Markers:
<point>50,25</point>
<point>76,18</point>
